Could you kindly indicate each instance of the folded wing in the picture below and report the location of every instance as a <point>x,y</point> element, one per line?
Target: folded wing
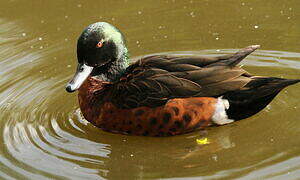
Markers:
<point>153,80</point>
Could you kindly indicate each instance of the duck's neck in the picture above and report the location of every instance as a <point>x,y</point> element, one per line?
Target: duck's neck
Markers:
<point>112,71</point>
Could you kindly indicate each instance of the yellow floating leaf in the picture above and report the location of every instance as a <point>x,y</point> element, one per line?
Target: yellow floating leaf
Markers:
<point>202,141</point>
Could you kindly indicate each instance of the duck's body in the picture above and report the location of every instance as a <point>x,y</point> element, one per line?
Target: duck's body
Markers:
<point>176,116</point>
<point>163,95</point>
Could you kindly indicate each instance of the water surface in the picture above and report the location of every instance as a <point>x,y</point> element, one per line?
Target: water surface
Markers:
<point>44,136</point>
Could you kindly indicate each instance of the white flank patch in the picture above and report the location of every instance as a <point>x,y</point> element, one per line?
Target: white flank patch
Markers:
<point>220,117</point>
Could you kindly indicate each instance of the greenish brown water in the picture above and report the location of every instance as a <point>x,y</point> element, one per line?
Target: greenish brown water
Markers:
<point>44,137</point>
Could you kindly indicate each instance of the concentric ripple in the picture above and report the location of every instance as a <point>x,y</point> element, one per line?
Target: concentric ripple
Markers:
<point>44,135</point>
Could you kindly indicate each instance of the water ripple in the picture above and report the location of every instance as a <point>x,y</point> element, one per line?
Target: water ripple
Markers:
<point>44,134</point>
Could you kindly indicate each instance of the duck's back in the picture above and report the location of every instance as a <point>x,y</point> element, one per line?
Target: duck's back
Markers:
<point>153,80</point>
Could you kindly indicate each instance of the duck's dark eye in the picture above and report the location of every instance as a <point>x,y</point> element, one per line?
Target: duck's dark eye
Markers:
<point>99,44</point>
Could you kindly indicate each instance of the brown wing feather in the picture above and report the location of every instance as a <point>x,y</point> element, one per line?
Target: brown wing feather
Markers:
<point>153,80</point>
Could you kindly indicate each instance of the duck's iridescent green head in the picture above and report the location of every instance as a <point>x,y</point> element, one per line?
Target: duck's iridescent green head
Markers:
<point>100,47</point>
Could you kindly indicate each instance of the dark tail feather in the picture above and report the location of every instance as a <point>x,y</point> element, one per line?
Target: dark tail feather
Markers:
<point>257,95</point>
<point>236,58</point>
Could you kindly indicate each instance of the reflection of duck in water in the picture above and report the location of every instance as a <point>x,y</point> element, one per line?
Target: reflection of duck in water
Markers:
<point>219,140</point>
<point>162,95</point>
<point>138,156</point>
